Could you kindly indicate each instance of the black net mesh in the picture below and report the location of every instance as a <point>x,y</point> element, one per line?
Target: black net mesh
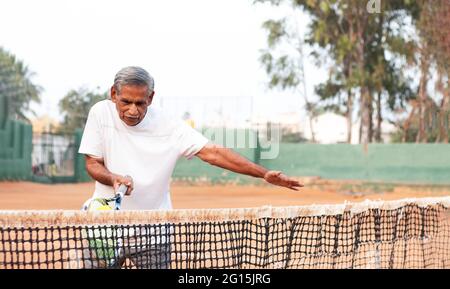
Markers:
<point>408,236</point>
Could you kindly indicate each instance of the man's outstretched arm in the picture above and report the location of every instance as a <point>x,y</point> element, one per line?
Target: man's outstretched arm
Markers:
<point>225,158</point>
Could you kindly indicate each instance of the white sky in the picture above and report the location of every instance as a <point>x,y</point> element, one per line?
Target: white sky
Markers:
<point>195,50</point>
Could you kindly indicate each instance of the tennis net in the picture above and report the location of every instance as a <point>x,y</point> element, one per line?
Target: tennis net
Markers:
<point>410,233</point>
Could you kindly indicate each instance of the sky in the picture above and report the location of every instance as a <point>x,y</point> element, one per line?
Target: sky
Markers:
<point>203,54</point>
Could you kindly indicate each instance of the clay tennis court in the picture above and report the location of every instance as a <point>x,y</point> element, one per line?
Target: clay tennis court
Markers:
<point>28,195</point>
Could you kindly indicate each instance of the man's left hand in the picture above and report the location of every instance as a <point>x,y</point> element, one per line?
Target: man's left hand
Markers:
<point>280,179</point>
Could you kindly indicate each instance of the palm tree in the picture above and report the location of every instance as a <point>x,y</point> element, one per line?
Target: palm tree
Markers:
<point>16,85</point>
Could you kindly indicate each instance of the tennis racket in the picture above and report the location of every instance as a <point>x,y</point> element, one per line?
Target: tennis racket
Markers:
<point>104,243</point>
<point>119,196</point>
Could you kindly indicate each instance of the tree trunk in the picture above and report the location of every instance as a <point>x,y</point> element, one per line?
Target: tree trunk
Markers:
<point>311,119</point>
<point>349,115</point>
<point>444,112</point>
<point>424,67</point>
<point>380,87</point>
<point>407,122</point>
<point>364,89</point>
<point>370,103</point>
<point>365,116</point>
<point>360,127</point>
<point>365,105</point>
<point>349,74</point>
<point>309,106</point>
<point>379,119</point>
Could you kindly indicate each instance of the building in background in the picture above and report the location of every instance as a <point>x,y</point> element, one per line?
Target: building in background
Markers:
<point>53,154</point>
<point>44,124</point>
<point>330,128</point>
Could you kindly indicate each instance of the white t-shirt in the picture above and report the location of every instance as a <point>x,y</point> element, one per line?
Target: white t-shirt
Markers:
<point>147,152</point>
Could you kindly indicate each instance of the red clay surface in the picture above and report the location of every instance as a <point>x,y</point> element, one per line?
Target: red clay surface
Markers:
<point>27,195</point>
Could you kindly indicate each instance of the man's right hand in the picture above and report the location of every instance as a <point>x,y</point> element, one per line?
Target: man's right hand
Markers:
<point>117,180</point>
<point>96,168</point>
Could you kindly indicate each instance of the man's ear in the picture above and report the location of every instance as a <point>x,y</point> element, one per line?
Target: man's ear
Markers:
<point>113,94</point>
<point>150,98</point>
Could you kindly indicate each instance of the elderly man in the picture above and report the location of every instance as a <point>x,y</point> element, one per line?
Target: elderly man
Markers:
<point>128,141</point>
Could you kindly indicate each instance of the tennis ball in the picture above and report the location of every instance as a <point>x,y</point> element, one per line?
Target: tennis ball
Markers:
<point>104,208</point>
<point>99,205</point>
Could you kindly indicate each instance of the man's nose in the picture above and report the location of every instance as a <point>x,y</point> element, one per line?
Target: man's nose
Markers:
<point>133,110</point>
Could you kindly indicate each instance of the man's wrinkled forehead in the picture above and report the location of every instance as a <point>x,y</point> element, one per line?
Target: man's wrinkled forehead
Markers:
<point>138,95</point>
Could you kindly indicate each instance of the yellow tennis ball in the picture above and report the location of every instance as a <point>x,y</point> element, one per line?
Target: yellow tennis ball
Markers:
<point>99,205</point>
<point>104,208</point>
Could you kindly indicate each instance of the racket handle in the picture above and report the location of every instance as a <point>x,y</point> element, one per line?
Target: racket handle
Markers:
<point>119,195</point>
<point>121,190</point>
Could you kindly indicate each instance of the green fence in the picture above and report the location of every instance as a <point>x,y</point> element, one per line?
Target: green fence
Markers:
<point>15,151</point>
<point>409,163</point>
<point>15,147</point>
<point>395,163</point>
<point>81,174</point>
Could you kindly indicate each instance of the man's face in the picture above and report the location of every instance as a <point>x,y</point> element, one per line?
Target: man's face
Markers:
<point>132,103</point>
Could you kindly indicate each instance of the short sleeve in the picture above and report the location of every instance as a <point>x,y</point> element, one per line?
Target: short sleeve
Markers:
<point>91,141</point>
<point>190,141</point>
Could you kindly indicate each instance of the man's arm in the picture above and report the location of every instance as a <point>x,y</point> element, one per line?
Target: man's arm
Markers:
<point>97,170</point>
<point>225,158</point>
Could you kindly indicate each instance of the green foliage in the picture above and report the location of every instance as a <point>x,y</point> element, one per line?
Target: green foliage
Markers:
<point>292,137</point>
<point>276,29</point>
<point>369,52</point>
<point>16,85</point>
<point>75,107</point>
<point>411,135</point>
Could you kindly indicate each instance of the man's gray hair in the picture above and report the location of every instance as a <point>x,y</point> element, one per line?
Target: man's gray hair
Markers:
<point>133,75</point>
